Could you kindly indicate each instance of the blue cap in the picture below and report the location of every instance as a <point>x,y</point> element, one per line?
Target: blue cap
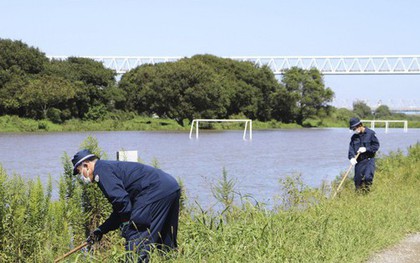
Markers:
<point>354,122</point>
<point>79,157</point>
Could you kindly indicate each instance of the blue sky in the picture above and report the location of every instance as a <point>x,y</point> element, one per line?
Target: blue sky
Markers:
<point>229,28</point>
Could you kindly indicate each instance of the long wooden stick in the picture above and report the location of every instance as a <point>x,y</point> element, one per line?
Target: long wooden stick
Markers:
<point>71,252</point>
<point>345,176</point>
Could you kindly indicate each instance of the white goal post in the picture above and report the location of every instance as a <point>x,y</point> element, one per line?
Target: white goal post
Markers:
<point>197,121</point>
<point>387,122</point>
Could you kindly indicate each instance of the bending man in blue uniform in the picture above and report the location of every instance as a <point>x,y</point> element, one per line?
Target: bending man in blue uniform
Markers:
<point>144,199</point>
<point>363,141</point>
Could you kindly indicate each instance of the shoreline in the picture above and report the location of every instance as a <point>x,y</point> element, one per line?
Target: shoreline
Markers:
<point>14,124</point>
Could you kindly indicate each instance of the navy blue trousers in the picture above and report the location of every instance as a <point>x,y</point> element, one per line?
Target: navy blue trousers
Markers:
<point>160,228</point>
<point>363,173</point>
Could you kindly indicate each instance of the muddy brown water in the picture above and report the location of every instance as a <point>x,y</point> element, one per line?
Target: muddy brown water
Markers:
<point>317,154</point>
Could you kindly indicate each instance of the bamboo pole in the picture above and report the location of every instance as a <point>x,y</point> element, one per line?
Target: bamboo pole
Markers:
<point>71,252</point>
<point>345,176</point>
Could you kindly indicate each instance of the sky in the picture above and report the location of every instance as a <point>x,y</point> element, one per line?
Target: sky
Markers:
<point>230,28</point>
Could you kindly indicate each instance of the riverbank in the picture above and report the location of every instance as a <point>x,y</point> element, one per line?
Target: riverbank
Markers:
<point>307,226</point>
<point>139,123</point>
<point>132,123</point>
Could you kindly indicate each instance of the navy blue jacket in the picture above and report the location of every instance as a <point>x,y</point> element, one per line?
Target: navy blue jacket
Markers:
<point>366,139</point>
<point>129,186</point>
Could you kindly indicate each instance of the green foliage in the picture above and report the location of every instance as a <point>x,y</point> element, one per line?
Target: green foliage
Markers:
<point>54,115</point>
<point>312,122</point>
<point>30,85</point>
<point>362,110</point>
<point>9,92</point>
<point>307,94</point>
<point>96,113</point>
<point>87,71</point>
<point>18,64</point>
<point>311,227</point>
<point>224,190</point>
<point>25,209</point>
<point>344,115</point>
<point>203,86</point>
<point>19,55</point>
<point>43,92</point>
<point>16,124</point>
<point>383,112</point>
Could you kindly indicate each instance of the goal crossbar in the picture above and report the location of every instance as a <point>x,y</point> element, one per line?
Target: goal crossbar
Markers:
<point>248,125</point>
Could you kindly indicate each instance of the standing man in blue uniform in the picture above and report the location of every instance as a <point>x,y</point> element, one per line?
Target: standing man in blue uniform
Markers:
<point>144,199</point>
<point>363,141</point>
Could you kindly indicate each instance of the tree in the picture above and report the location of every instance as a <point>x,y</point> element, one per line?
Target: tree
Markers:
<point>16,53</point>
<point>282,105</point>
<point>203,86</point>
<point>9,99</point>
<point>95,86</point>
<point>383,111</point>
<point>307,93</point>
<point>182,90</point>
<point>344,115</point>
<point>250,87</point>
<point>361,109</point>
<point>46,91</point>
<point>18,63</point>
<point>87,70</point>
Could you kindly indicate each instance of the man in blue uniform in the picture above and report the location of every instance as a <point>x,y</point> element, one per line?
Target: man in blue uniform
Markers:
<point>144,199</point>
<point>363,141</point>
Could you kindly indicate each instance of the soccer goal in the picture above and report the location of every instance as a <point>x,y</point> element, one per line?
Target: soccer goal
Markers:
<point>387,122</point>
<point>196,122</point>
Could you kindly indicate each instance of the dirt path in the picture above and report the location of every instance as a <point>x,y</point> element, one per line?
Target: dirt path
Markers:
<point>407,251</point>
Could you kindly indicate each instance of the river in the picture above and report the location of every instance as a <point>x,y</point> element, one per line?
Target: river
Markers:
<point>256,166</point>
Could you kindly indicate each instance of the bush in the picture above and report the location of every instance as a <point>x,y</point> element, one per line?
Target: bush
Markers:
<point>312,122</point>
<point>54,115</point>
<point>96,113</point>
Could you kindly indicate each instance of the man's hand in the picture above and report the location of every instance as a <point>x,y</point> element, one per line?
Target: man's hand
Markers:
<point>353,161</point>
<point>361,150</point>
<point>95,236</point>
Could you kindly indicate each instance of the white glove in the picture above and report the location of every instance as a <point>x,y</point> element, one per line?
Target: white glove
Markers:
<point>353,161</point>
<point>361,150</point>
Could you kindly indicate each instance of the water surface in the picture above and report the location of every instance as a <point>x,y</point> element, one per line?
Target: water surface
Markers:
<point>317,154</point>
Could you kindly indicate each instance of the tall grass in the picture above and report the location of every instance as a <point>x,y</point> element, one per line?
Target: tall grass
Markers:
<point>306,225</point>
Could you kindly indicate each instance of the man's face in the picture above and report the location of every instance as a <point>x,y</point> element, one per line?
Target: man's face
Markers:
<point>358,129</point>
<point>83,169</point>
<point>86,172</point>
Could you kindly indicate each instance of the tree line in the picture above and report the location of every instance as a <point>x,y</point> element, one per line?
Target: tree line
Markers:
<point>203,86</point>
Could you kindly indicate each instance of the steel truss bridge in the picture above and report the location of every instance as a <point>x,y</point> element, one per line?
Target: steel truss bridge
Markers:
<point>327,65</point>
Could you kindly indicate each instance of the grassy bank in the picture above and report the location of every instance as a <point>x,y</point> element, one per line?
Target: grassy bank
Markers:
<point>16,124</point>
<point>133,123</point>
<point>307,226</point>
<point>140,123</point>
<point>315,228</point>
